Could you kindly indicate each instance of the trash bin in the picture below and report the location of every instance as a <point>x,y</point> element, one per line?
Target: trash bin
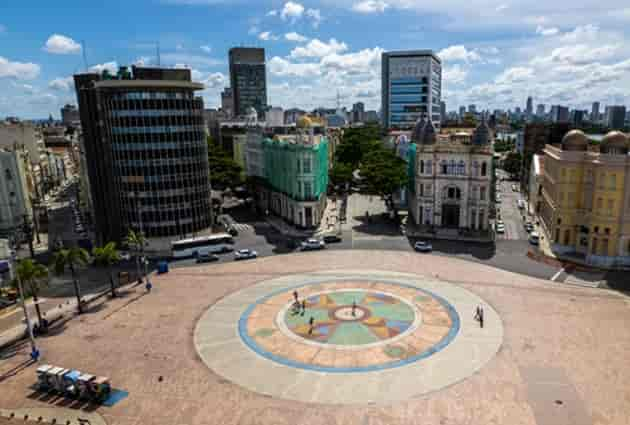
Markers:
<point>162,267</point>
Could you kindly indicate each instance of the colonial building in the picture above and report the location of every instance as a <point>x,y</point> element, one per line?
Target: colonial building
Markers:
<point>585,205</point>
<point>453,179</point>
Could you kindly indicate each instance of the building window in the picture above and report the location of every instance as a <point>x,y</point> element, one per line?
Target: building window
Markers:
<point>600,203</point>
<point>421,189</point>
<point>559,220</point>
<point>594,246</point>
<point>613,181</point>
<point>567,236</point>
<point>307,189</point>
<point>444,166</point>
<point>429,167</point>
<point>596,229</point>
<point>611,206</point>
<point>475,169</point>
<point>557,235</point>
<point>429,190</point>
<point>421,167</point>
<point>484,169</point>
<point>482,193</point>
<point>607,231</point>
<point>307,165</point>
<point>298,166</point>
<point>461,168</point>
<point>602,180</point>
<point>604,249</point>
<point>452,167</point>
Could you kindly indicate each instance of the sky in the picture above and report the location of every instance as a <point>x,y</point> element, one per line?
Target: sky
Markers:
<point>495,53</point>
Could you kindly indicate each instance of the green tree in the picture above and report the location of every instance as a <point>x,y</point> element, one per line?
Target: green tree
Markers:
<point>356,143</point>
<point>512,164</point>
<point>33,276</point>
<point>137,241</point>
<point>383,173</point>
<point>224,171</point>
<point>71,258</point>
<point>341,173</point>
<point>107,256</point>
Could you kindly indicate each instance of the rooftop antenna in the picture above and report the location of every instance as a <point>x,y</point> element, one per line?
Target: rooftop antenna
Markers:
<point>158,53</point>
<point>85,62</point>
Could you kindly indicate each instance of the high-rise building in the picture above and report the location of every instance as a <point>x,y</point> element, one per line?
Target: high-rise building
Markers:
<point>411,88</point>
<point>69,115</point>
<point>577,117</point>
<point>616,117</point>
<point>442,111</point>
<point>535,137</point>
<point>472,108</point>
<point>540,110</point>
<point>529,109</point>
<point>248,80</point>
<point>358,112</point>
<point>559,113</point>
<point>462,112</point>
<point>146,153</point>
<point>227,102</point>
<point>595,112</point>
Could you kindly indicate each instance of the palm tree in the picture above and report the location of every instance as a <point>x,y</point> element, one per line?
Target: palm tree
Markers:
<point>107,256</point>
<point>71,258</point>
<point>137,241</point>
<point>34,276</point>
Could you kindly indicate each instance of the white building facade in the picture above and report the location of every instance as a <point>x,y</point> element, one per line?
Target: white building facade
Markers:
<point>453,179</point>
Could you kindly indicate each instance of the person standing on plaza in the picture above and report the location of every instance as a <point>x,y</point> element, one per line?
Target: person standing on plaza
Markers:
<point>479,315</point>
<point>311,324</point>
<point>303,307</point>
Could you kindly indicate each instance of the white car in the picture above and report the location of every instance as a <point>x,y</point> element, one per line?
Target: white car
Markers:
<point>245,254</point>
<point>422,246</point>
<point>124,255</point>
<point>313,244</point>
<point>500,228</point>
<point>534,238</point>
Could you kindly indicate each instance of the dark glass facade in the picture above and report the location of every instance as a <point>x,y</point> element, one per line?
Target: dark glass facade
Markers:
<point>153,132</point>
<point>248,79</point>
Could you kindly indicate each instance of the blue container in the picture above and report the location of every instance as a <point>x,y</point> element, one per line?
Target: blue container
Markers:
<point>162,267</point>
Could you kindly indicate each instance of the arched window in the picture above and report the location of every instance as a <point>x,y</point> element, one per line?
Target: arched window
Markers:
<point>475,169</point>
<point>461,168</point>
<point>444,167</point>
<point>429,167</point>
<point>484,169</point>
<point>421,167</point>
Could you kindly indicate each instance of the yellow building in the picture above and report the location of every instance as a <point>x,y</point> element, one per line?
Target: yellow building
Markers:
<point>585,205</point>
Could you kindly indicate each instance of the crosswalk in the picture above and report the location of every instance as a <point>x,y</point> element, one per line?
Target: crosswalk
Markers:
<point>243,227</point>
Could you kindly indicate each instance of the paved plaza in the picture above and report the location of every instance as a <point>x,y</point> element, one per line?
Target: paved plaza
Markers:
<point>393,339</point>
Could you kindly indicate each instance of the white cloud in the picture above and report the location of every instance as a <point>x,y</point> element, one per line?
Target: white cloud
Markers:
<point>111,67</point>
<point>316,48</point>
<point>515,75</point>
<point>455,74</point>
<point>143,61</point>
<point>581,34</point>
<point>282,67</point>
<point>206,49</point>
<point>2,28</point>
<point>370,6</point>
<point>18,70</point>
<point>294,36</point>
<point>315,16</point>
<point>459,53</point>
<point>215,80</point>
<point>546,31</point>
<point>61,45</point>
<point>267,36</point>
<point>62,84</point>
<point>253,30</point>
<point>292,11</point>
<point>27,88</point>
<point>42,99</point>
<point>501,7</point>
<point>272,13</point>
<point>192,60</point>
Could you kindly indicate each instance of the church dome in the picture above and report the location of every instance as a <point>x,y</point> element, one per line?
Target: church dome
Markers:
<point>429,136</point>
<point>304,122</point>
<point>481,135</point>
<point>417,135</point>
<point>614,142</point>
<point>575,140</point>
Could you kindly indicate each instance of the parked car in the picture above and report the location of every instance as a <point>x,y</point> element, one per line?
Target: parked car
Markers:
<point>500,228</point>
<point>205,257</point>
<point>245,254</point>
<point>313,244</point>
<point>529,226</point>
<point>422,246</point>
<point>332,239</point>
<point>534,238</point>
<point>124,255</point>
<point>521,204</point>
<point>514,188</point>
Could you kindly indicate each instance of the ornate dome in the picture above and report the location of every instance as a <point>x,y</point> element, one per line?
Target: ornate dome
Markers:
<point>429,134</point>
<point>481,135</point>
<point>304,122</point>
<point>417,135</point>
<point>575,140</point>
<point>614,142</point>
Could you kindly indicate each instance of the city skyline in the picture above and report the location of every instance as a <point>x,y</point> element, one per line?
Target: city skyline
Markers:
<point>316,48</point>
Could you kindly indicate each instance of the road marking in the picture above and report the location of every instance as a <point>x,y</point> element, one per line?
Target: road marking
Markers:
<point>557,275</point>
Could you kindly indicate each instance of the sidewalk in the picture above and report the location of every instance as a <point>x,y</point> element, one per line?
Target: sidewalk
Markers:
<point>328,223</point>
<point>413,230</point>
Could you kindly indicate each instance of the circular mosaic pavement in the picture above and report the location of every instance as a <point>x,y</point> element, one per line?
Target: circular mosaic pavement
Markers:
<point>345,337</point>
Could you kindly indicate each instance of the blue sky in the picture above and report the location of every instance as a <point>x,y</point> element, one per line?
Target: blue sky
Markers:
<point>495,52</point>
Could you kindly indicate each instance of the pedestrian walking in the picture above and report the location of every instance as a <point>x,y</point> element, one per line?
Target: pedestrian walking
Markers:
<point>479,315</point>
<point>303,307</point>
<point>354,308</point>
<point>311,324</point>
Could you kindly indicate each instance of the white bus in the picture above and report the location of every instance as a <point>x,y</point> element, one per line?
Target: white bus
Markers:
<point>221,242</point>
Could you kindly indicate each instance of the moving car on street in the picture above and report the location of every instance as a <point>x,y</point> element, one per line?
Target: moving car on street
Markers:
<point>534,238</point>
<point>313,244</point>
<point>332,239</point>
<point>206,257</point>
<point>245,254</point>
<point>422,246</point>
<point>500,227</point>
<point>529,226</point>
